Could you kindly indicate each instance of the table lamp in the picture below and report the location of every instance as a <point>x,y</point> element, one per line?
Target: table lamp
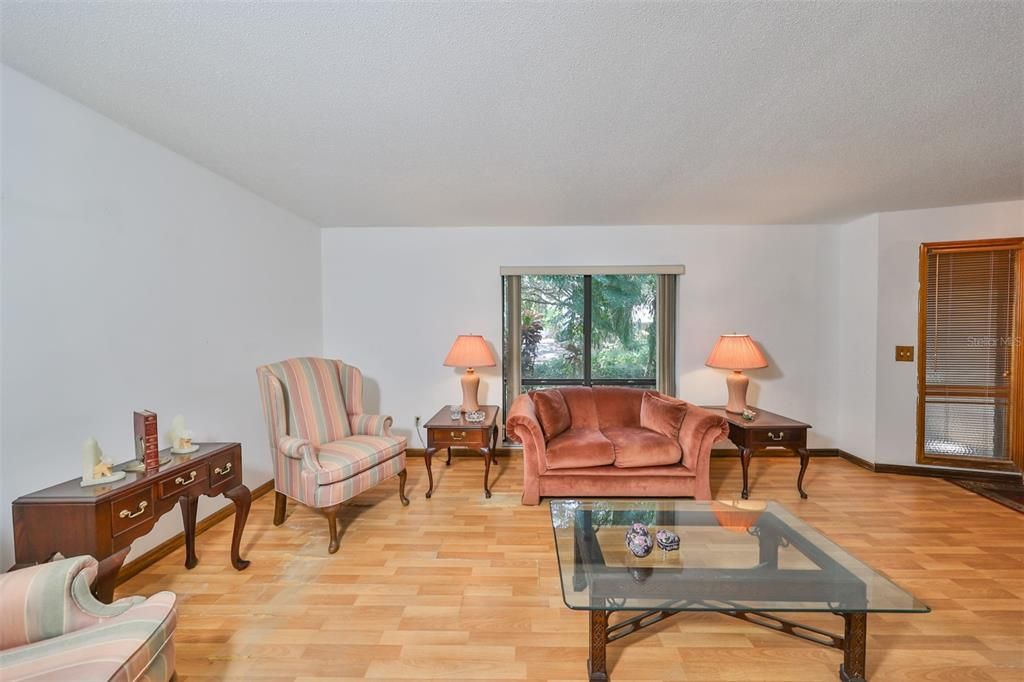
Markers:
<point>469,351</point>
<point>736,352</point>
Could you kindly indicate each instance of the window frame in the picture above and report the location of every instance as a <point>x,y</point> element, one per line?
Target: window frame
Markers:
<point>1015,395</point>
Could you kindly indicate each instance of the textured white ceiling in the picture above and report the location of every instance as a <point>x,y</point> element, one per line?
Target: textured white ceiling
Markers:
<point>493,113</point>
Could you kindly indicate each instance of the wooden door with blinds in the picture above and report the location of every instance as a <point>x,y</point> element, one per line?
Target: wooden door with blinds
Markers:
<point>971,369</point>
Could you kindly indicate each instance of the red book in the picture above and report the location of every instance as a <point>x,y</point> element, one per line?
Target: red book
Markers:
<point>147,446</point>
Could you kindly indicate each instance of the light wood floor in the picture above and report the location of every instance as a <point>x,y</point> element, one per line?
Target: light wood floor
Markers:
<point>461,587</point>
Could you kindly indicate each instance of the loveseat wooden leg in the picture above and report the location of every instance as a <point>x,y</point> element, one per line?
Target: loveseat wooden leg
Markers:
<point>280,506</point>
<point>332,525</point>
<point>402,475</point>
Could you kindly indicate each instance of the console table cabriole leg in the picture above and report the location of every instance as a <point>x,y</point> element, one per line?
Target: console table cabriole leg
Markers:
<point>427,455</point>
<point>189,508</point>
<point>242,498</point>
<point>745,455</point>
<point>597,665</point>
<point>855,641</point>
<point>804,459</point>
<point>106,575</point>
<point>487,471</point>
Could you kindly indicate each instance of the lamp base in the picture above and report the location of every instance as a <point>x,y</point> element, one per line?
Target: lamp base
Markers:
<point>737,384</point>
<point>470,387</point>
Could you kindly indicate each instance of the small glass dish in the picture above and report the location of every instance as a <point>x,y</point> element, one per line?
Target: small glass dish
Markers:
<point>477,416</point>
<point>455,412</point>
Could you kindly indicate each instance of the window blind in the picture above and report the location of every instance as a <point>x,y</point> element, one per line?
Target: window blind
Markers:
<point>969,347</point>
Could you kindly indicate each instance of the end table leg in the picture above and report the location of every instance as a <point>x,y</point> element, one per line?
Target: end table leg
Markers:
<point>242,498</point>
<point>745,454</point>
<point>597,665</point>
<point>106,575</point>
<point>427,455</point>
<point>855,641</point>
<point>402,475</point>
<point>487,471</point>
<point>449,459</point>
<point>189,509</point>
<point>804,459</point>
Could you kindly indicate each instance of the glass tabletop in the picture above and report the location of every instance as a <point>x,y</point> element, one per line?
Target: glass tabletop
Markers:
<point>733,556</point>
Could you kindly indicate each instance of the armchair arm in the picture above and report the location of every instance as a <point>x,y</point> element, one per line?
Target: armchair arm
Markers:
<point>52,599</point>
<point>700,430</point>
<point>371,424</point>
<point>299,448</point>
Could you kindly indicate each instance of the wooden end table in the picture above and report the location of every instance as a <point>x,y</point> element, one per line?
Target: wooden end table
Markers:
<point>482,436</point>
<point>766,430</point>
<point>103,520</point>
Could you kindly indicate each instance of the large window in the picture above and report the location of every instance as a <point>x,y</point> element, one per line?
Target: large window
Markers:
<point>971,360</point>
<point>576,328</point>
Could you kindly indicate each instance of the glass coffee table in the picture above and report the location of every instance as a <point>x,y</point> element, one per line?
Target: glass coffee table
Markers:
<point>743,559</point>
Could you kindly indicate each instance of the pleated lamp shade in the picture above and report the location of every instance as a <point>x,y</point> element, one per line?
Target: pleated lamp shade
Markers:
<point>470,350</point>
<point>736,351</point>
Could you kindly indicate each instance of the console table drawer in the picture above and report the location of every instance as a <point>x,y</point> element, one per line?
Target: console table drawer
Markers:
<point>224,468</point>
<point>474,438</point>
<point>174,485</point>
<point>131,510</point>
<point>780,436</point>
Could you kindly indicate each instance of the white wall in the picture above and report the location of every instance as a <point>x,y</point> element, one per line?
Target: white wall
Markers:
<point>133,278</point>
<point>395,298</point>
<point>900,236</point>
<point>855,357</point>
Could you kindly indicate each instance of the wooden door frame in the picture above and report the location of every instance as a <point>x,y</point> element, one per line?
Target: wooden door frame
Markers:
<point>1016,390</point>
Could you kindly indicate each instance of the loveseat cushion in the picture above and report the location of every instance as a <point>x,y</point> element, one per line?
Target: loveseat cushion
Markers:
<point>636,447</point>
<point>617,406</point>
<point>578,448</point>
<point>552,412</point>
<point>662,415</point>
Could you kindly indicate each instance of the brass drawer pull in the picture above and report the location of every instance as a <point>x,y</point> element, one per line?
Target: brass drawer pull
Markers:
<point>461,435</point>
<point>774,437</point>
<point>126,514</point>
<point>223,471</point>
<point>181,480</point>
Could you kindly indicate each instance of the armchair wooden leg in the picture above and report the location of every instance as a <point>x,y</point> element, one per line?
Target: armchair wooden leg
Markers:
<point>402,475</point>
<point>332,524</point>
<point>280,506</point>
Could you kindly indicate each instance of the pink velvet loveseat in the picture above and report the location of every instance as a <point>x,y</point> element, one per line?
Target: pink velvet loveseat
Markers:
<point>608,441</point>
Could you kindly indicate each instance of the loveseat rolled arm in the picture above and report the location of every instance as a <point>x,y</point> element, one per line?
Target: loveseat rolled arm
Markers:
<point>522,426</point>
<point>700,430</point>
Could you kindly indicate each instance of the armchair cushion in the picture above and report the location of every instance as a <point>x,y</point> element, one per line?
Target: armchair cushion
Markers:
<point>315,403</point>
<point>342,459</point>
<point>635,447</point>
<point>662,415</point>
<point>51,627</point>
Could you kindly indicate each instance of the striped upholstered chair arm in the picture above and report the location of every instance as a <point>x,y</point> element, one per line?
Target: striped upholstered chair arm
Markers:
<point>49,600</point>
<point>299,448</point>
<point>371,424</point>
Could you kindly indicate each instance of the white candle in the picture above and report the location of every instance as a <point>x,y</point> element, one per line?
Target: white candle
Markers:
<point>91,454</point>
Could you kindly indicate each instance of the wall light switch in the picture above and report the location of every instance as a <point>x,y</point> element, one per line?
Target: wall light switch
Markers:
<point>904,353</point>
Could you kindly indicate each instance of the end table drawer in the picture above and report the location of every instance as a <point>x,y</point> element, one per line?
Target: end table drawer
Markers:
<point>131,510</point>
<point>778,436</point>
<point>457,436</point>
<point>173,485</point>
<point>224,468</point>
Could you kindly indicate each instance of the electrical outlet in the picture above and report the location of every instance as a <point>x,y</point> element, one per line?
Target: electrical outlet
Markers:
<point>904,353</point>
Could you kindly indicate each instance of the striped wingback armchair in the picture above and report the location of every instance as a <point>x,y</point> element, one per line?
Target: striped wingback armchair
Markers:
<point>52,628</point>
<point>326,450</point>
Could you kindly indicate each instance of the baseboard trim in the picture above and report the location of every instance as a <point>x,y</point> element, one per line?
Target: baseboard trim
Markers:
<point>136,566</point>
<point>931,472</point>
<point>500,451</point>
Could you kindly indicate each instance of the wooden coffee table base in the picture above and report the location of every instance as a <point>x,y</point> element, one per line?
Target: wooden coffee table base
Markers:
<point>853,642</point>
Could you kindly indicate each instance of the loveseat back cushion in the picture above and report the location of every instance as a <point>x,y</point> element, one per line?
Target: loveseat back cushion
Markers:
<point>617,406</point>
<point>662,414</point>
<point>579,448</point>
<point>636,447</point>
<point>580,400</point>
<point>552,412</point>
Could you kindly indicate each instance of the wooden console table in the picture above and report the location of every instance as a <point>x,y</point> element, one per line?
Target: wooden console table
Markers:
<point>103,520</point>
<point>766,430</point>
<point>482,436</point>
